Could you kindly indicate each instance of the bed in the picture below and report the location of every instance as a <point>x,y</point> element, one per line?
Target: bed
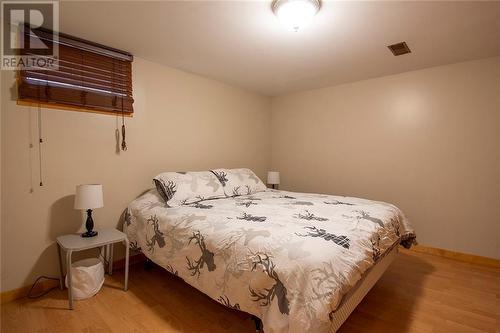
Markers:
<point>300,262</point>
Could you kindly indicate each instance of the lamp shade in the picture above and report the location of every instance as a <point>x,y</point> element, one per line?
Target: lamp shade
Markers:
<point>88,196</point>
<point>273,177</point>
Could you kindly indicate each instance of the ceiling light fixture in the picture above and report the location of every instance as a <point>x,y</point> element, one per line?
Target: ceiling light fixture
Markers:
<point>295,13</point>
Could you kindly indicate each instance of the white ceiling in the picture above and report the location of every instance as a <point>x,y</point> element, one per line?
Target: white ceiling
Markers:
<point>242,43</point>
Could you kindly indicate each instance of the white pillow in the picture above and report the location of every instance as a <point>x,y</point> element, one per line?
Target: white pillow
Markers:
<point>184,188</point>
<point>239,181</point>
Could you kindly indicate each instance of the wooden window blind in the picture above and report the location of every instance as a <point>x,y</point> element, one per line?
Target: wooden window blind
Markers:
<point>90,76</point>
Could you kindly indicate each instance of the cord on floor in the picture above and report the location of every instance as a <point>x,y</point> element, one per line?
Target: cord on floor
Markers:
<point>101,256</point>
<point>46,291</point>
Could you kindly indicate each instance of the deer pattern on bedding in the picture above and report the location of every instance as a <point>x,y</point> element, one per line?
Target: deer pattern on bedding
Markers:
<point>278,290</point>
<point>206,257</point>
<point>265,254</point>
<point>321,233</point>
<point>157,237</point>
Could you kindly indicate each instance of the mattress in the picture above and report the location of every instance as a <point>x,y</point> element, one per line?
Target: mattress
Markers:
<point>288,258</point>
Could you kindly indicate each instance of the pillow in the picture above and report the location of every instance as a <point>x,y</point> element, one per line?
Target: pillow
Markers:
<point>239,181</point>
<point>184,188</point>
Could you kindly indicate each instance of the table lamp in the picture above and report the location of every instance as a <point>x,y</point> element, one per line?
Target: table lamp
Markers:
<point>273,179</point>
<point>88,197</point>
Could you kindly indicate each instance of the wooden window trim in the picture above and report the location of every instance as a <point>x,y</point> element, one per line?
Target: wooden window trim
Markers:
<point>63,107</point>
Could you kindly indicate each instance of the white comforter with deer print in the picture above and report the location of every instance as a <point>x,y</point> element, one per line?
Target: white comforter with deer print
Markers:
<point>285,257</point>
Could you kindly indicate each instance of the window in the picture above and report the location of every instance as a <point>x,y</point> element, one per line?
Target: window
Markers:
<point>90,76</point>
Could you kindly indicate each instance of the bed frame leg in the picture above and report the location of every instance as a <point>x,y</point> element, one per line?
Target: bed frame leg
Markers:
<point>148,265</point>
<point>258,324</point>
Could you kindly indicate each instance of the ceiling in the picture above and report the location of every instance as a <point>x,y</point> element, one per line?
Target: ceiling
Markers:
<point>243,44</point>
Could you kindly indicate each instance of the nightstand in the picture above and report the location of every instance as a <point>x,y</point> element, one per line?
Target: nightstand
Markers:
<point>75,242</point>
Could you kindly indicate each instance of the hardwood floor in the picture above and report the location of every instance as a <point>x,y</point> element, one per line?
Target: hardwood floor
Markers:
<point>418,293</point>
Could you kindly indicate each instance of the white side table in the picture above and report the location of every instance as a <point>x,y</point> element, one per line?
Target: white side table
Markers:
<point>75,242</point>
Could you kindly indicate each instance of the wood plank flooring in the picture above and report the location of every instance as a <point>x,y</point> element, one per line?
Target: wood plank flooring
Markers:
<point>418,293</point>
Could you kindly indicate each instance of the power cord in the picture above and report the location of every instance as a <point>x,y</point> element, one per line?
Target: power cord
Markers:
<point>106,262</point>
<point>56,279</point>
<point>46,291</point>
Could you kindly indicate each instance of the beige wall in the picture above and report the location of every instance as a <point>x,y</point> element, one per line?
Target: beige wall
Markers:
<point>181,122</point>
<point>428,141</point>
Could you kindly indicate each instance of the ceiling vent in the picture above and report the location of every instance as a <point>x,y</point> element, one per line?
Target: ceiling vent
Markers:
<point>399,48</point>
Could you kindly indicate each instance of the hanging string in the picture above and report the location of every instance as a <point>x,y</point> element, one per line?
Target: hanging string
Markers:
<point>31,146</point>
<point>40,141</point>
<point>124,144</point>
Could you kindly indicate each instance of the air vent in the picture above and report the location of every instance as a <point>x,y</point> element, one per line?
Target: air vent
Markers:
<point>399,48</point>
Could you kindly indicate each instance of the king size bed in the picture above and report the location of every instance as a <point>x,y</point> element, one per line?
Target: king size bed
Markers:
<point>300,262</point>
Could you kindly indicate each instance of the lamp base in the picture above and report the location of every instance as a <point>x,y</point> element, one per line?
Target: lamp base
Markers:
<point>87,234</point>
<point>89,225</point>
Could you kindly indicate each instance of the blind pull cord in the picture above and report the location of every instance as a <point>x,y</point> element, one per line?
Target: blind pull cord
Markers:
<point>40,141</point>
<point>31,146</point>
<point>124,143</point>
